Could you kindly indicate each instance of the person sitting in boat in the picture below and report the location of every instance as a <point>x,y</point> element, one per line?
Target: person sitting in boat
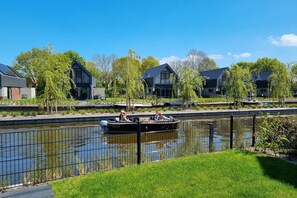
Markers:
<point>160,116</point>
<point>124,118</point>
<point>121,115</point>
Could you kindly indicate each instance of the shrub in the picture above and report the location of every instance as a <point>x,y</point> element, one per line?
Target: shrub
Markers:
<point>15,114</point>
<point>83,112</point>
<point>4,114</point>
<point>278,134</point>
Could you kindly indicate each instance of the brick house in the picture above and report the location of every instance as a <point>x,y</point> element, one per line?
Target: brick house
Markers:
<point>10,83</point>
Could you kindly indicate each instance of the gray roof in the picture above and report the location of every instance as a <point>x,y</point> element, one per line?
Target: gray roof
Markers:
<point>213,74</point>
<point>10,78</point>
<point>155,71</point>
<point>8,71</point>
<point>262,75</point>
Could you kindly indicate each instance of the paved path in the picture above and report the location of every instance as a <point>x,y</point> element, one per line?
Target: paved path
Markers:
<point>43,191</point>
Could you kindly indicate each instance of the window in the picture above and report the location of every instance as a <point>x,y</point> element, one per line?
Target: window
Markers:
<point>165,77</point>
<point>263,91</point>
<point>78,76</point>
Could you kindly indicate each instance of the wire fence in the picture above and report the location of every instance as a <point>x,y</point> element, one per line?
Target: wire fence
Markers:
<point>29,157</point>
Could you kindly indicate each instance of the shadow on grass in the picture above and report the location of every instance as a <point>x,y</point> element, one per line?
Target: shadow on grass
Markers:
<point>279,170</point>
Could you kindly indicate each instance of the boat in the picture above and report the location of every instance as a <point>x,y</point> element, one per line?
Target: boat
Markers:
<point>112,126</point>
<point>152,138</point>
<point>137,105</point>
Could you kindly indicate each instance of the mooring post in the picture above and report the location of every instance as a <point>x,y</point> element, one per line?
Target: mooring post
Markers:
<point>231,132</point>
<point>254,131</point>
<point>138,142</point>
<point>210,137</point>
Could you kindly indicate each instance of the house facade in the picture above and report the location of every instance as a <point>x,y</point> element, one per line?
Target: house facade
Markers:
<point>84,82</point>
<point>215,80</point>
<point>157,81</point>
<point>262,81</point>
<point>10,83</point>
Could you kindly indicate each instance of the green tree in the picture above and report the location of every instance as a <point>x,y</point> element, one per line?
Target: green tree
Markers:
<point>50,72</point>
<point>239,83</point>
<point>246,65</point>
<point>293,75</point>
<point>127,73</point>
<point>74,56</point>
<point>91,67</point>
<point>264,64</point>
<point>30,62</point>
<point>188,83</point>
<point>148,63</point>
<point>280,82</point>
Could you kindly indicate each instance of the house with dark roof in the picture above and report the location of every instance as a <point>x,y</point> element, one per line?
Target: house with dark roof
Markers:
<point>84,82</point>
<point>262,81</point>
<point>157,81</point>
<point>10,83</point>
<point>215,80</point>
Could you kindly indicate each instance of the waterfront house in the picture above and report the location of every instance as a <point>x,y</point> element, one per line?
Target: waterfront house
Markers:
<point>157,81</point>
<point>262,81</point>
<point>214,84</point>
<point>10,83</point>
<point>84,82</point>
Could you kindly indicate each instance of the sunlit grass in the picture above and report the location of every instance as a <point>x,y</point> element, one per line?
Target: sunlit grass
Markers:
<point>236,173</point>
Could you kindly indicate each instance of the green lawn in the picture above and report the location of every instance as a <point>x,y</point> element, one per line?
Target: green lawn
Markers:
<point>236,173</point>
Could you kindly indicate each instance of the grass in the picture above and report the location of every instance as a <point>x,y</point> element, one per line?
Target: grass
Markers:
<point>236,173</point>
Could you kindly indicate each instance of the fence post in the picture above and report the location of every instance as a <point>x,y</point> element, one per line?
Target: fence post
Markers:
<point>254,131</point>
<point>138,142</point>
<point>210,137</point>
<point>231,132</point>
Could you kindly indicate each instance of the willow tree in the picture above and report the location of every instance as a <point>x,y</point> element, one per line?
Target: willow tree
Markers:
<point>189,83</point>
<point>239,83</point>
<point>49,73</point>
<point>280,82</point>
<point>127,73</point>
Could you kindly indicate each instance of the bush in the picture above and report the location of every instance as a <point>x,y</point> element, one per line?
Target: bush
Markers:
<point>278,134</point>
<point>4,114</point>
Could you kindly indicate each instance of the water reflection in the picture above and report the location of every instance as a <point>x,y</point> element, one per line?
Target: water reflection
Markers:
<point>37,154</point>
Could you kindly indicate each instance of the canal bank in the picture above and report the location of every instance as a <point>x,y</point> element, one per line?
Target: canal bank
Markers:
<point>45,119</point>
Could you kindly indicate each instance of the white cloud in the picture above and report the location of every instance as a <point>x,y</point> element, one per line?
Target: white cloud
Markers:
<point>242,55</point>
<point>168,59</point>
<point>229,54</point>
<point>286,40</point>
<point>216,56</point>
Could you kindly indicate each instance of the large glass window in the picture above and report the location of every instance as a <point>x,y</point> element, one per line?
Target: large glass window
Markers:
<point>165,77</point>
<point>78,76</point>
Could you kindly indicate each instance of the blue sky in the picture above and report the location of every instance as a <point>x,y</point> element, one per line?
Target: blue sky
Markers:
<point>227,30</point>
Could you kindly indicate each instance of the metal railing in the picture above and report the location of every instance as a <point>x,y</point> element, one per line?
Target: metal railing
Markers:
<point>28,157</point>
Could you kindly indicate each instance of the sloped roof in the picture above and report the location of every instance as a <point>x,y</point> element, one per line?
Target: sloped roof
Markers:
<point>8,71</point>
<point>155,71</point>
<point>262,75</point>
<point>213,74</point>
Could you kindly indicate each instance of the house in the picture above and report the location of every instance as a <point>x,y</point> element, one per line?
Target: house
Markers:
<point>84,82</point>
<point>10,83</point>
<point>157,81</point>
<point>215,80</point>
<point>262,82</point>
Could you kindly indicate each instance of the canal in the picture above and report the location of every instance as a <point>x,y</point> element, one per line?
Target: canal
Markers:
<point>31,154</point>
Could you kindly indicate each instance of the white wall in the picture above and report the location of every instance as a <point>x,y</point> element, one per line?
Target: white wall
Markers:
<point>28,92</point>
<point>3,92</point>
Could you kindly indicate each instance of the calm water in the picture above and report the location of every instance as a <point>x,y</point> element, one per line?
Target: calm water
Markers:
<point>39,153</point>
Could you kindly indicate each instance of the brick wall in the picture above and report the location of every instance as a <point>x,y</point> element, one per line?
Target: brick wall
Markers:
<point>15,93</point>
